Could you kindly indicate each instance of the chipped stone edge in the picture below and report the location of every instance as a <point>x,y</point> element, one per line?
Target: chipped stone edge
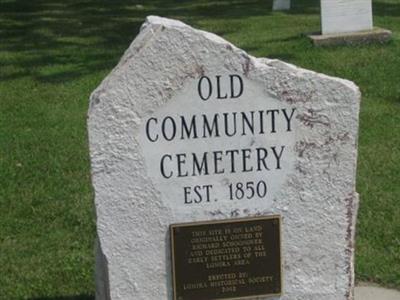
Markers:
<point>154,25</point>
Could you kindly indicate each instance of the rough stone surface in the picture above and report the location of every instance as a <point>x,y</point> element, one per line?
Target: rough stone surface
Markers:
<point>316,196</point>
<point>281,5</point>
<point>377,35</point>
<point>338,16</point>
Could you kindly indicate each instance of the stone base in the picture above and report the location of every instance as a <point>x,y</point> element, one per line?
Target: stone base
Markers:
<point>376,35</point>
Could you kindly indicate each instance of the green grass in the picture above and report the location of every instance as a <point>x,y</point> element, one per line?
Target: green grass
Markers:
<point>53,53</point>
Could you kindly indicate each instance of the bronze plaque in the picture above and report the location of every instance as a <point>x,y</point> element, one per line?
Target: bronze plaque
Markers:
<point>227,259</point>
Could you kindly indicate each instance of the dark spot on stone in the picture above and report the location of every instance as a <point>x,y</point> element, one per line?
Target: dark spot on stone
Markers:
<point>293,96</point>
<point>298,167</point>
<point>216,213</point>
<point>246,66</point>
<point>313,117</point>
<point>200,70</point>
<point>350,206</point>
<point>302,146</point>
<point>235,213</point>
<point>194,73</point>
<point>229,47</point>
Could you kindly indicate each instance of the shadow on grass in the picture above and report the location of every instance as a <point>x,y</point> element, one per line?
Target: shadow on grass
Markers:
<point>57,41</point>
<point>308,7</point>
<point>77,297</point>
<point>386,9</point>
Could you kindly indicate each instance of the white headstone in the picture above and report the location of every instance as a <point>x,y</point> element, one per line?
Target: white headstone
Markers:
<point>181,121</point>
<point>342,16</point>
<point>281,5</point>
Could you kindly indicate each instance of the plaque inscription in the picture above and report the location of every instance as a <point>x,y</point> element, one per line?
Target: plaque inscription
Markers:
<point>227,259</point>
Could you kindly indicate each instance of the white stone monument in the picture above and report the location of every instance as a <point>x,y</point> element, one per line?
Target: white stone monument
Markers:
<point>281,5</point>
<point>339,16</point>
<point>189,128</point>
<point>348,22</point>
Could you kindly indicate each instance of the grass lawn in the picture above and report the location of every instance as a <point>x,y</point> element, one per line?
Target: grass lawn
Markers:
<point>53,53</point>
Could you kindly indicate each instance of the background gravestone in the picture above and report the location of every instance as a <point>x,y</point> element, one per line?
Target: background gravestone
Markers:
<point>281,5</point>
<point>348,22</point>
<point>346,16</point>
<point>163,152</point>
